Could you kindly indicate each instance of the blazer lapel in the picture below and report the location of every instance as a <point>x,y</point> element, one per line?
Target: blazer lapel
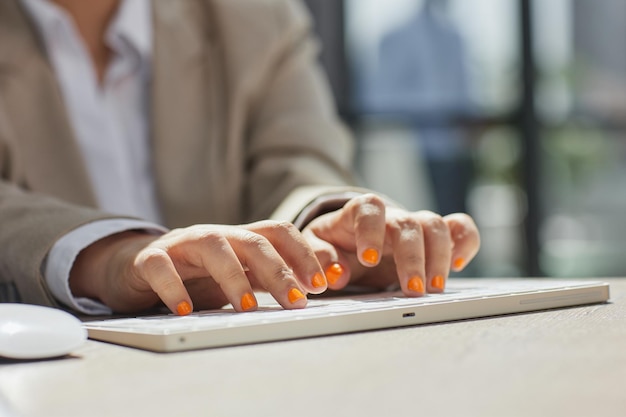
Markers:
<point>44,141</point>
<point>187,117</point>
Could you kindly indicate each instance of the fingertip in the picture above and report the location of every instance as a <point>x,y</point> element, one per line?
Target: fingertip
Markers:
<point>184,308</point>
<point>437,284</point>
<point>458,264</point>
<point>296,298</point>
<point>338,274</point>
<point>319,282</point>
<point>415,286</point>
<point>248,302</point>
<point>334,273</point>
<point>370,257</point>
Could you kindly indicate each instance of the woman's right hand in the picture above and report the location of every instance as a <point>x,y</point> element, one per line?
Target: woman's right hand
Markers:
<point>206,266</point>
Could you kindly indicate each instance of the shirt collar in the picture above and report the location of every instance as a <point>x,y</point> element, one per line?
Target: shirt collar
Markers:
<point>132,24</point>
<point>47,17</point>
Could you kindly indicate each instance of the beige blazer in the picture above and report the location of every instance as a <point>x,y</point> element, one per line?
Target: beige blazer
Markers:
<point>242,127</point>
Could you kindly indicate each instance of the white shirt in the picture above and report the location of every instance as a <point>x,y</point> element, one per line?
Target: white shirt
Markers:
<point>110,121</point>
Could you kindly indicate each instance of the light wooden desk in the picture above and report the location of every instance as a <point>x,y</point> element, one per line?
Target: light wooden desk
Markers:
<point>568,362</point>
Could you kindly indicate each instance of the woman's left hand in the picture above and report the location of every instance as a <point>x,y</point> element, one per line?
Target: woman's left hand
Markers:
<point>368,243</point>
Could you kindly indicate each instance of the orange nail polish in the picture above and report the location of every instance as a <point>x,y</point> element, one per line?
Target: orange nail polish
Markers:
<point>183,308</point>
<point>416,284</point>
<point>334,272</point>
<point>295,295</point>
<point>370,256</point>
<point>458,263</point>
<point>438,282</point>
<point>248,302</point>
<point>318,280</point>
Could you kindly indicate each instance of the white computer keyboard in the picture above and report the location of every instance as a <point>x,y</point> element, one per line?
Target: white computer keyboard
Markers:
<point>269,311</point>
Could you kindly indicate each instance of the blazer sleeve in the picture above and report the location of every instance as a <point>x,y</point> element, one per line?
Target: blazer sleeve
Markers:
<point>30,224</point>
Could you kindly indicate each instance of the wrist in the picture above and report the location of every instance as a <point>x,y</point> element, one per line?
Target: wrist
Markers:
<point>99,268</point>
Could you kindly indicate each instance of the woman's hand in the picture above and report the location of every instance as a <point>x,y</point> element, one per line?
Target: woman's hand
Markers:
<point>367,243</point>
<point>217,264</point>
<point>208,266</point>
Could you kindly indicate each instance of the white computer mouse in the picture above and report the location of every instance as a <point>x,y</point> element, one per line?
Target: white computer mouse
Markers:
<point>37,332</point>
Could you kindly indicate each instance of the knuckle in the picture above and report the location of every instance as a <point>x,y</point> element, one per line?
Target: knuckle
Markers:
<point>260,225</point>
<point>368,205</point>
<point>272,224</point>
<point>281,274</point>
<point>255,241</point>
<point>284,228</point>
<point>463,228</point>
<point>410,234</point>
<point>434,222</point>
<point>463,218</point>
<point>211,241</point>
<point>229,277</point>
<point>372,199</point>
<point>152,259</point>
<point>373,202</point>
<point>408,222</point>
<point>407,228</point>
<point>209,237</point>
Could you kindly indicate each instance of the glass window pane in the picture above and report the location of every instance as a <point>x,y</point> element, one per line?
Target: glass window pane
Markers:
<point>582,102</point>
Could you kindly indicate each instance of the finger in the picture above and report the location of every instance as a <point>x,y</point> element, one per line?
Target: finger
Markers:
<point>205,293</point>
<point>295,250</point>
<point>366,214</point>
<point>156,267</point>
<point>269,269</point>
<point>465,238</point>
<point>332,261</point>
<point>407,241</point>
<point>437,250</point>
<point>221,263</point>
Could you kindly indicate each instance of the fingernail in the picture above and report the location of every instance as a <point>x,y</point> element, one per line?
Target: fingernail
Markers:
<point>416,284</point>
<point>334,272</point>
<point>370,256</point>
<point>438,282</point>
<point>458,263</point>
<point>183,308</point>
<point>318,280</point>
<point>248,302</point>
<point>295,295</point>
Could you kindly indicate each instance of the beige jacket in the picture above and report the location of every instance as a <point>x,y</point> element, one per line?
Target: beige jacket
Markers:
<point>242,125</point>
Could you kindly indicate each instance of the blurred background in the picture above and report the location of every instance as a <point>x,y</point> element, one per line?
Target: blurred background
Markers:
<point>511,110</point>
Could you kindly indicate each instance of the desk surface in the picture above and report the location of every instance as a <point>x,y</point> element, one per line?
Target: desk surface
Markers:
<point>567,362</point>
